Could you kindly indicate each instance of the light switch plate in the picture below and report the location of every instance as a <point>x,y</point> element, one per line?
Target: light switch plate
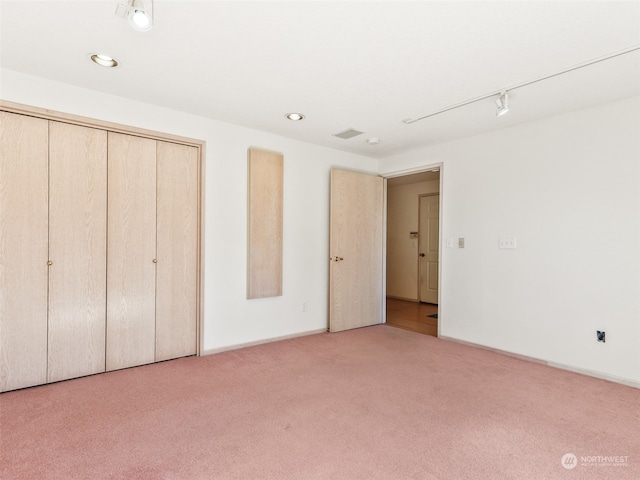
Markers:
<point>507,243</point>
<point>461,242</point>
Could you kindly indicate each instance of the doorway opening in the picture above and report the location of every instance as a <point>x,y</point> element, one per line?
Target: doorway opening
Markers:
<point>413,251</point>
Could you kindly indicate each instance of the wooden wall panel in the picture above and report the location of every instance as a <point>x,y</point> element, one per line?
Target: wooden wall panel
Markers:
<point>264,244</point>
<point>131,251</point>
<point>77,250</point>
<point>177,267</point>
<point>23,250</point>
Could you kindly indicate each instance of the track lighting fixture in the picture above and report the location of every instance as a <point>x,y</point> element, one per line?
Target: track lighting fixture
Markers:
<point>503,101</point>
<point>503,104</point>
<point>139,14</point>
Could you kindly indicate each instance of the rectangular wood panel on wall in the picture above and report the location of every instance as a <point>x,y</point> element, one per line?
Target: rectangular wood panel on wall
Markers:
<point>264,231</point>
<point>131,251</point>
<point>177,267</point>
<point>23,250</point>
<point>77,250</point>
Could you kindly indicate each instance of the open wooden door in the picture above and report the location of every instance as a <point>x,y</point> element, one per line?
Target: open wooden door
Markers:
<point>355,274</point>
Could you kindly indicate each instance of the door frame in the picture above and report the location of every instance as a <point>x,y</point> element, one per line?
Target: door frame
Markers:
<point>402,173</point>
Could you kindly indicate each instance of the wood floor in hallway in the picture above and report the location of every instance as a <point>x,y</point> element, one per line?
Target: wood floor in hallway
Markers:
<point>413,316</point>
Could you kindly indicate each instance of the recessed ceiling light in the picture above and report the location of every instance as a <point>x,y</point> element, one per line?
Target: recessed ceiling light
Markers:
<point>104,60</point>
<point>295,117</point>
<point>373,141</point>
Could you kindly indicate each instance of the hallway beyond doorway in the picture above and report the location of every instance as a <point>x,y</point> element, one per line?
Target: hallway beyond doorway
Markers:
<point>413,316</point>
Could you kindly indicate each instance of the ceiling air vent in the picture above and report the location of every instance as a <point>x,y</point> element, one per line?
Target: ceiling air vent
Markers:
<point>348,133</point>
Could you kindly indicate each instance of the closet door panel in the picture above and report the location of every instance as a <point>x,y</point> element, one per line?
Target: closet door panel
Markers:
<point>23,250</point>
<point>131,248</point>
<point>77,250</point>
<point>177,212</point>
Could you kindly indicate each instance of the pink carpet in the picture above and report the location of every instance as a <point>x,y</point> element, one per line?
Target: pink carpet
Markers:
<point>373,403</point>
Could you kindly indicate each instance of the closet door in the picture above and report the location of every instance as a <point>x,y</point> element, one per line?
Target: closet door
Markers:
<point>23,251</point>
<point>77,250</point>
<point>131,247</point>
<point>177,227</point>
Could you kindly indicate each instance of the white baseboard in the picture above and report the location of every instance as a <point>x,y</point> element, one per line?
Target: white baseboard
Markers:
<point>211,351</point>
<point>583,371</point>
<point>593,373</point>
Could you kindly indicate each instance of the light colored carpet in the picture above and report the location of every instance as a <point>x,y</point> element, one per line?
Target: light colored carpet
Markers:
<point>373,403</point>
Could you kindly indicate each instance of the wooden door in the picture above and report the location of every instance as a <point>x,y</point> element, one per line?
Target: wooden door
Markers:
<point>177,227</point>
<point>429,239</point>
<point>131,251</point>
<point>356,226</point>
<point>23,250</point>
<point>77,250</point>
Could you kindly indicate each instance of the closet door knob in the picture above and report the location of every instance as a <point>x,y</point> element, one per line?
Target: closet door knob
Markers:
<point>155,260</point>
<point>49,263</point>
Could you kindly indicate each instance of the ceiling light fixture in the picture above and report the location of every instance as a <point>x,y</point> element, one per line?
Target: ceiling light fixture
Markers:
<point>409,121</point>
<point>139,14</point>
<point>295,117</point>
<point>373,141</point>
<point>503,104</point>
<point>103,60</point>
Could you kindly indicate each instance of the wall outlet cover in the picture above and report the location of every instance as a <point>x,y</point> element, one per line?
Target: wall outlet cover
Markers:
<point>507,243</point>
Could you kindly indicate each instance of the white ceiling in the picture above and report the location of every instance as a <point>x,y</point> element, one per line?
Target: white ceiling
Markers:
<point>355,64</point>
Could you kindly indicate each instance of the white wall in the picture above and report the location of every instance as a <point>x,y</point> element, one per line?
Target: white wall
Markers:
<point>568,187</point>
<point>402,251</point>
<point>230,319</point>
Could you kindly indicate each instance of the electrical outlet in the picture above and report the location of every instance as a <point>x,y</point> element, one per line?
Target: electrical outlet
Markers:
<point>600,336</point>
<point>461,242</point>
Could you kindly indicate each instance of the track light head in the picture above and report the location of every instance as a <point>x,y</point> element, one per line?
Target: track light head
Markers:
<point>503,104</point>
<point>139,14</point>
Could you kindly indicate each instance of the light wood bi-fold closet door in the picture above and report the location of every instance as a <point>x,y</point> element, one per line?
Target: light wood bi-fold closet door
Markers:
<point>99,248</point>
<point>77,250</point>
<point>177,228</point>
<point>131,247</point>
<point>152,251</point>
<point>23,250</point>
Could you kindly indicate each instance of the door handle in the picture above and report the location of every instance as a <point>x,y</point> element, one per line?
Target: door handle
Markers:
<point>422,254</point>
<point>337,259</point>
